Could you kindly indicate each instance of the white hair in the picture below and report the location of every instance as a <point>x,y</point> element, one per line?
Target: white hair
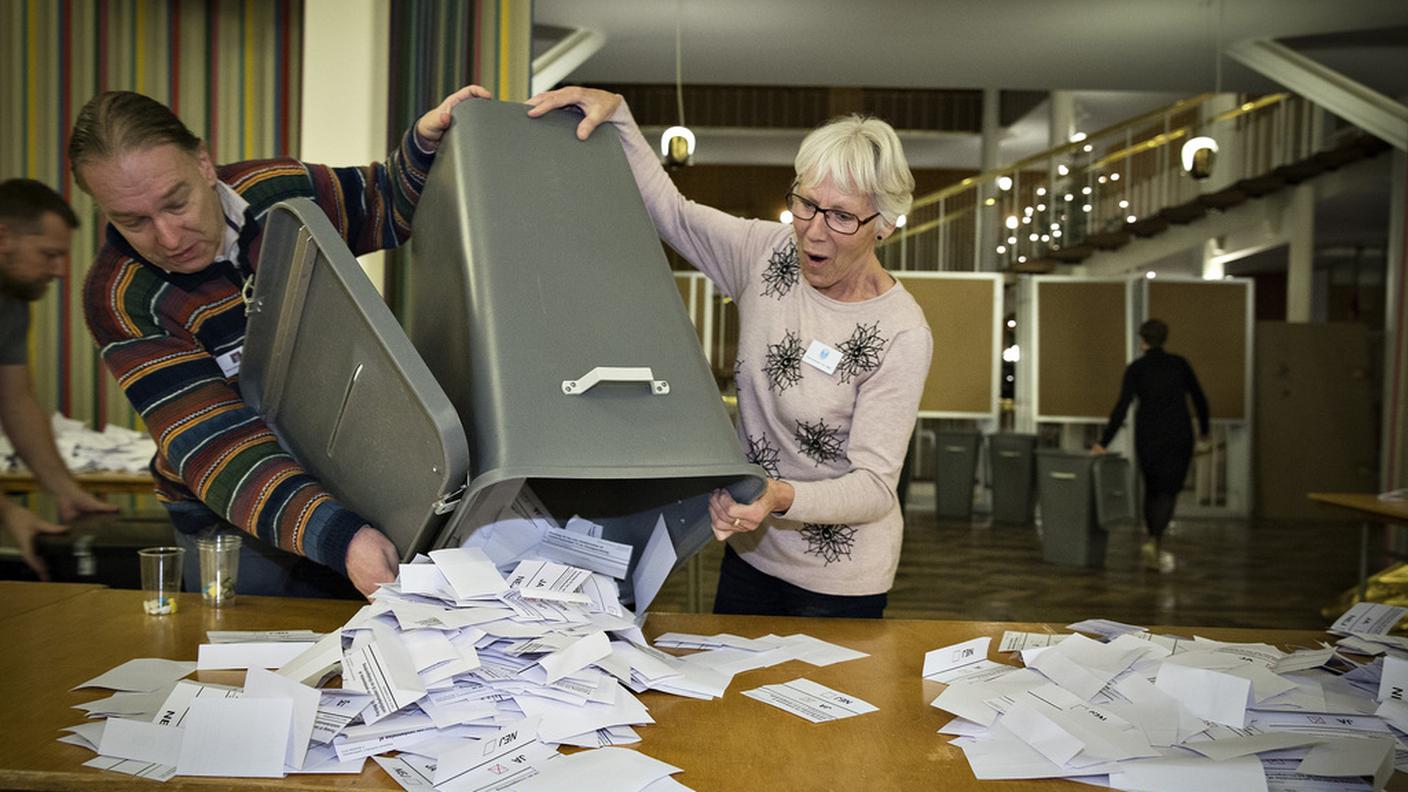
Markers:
<point>861,156</point>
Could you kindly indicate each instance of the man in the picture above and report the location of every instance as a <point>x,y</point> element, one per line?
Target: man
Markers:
<point>36,229</point>
<point>164,304</point>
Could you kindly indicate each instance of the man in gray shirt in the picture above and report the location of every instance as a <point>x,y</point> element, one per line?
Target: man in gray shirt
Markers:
<point>36,229</point>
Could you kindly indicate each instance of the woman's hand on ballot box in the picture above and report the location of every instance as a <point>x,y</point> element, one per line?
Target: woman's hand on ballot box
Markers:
<point>728,516</point>
<point>371,560</point>
<point>433,124</point>
<point>596,105</point>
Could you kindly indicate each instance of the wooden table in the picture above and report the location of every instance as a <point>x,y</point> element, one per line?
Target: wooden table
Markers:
<point>17,597</point>
<point>1371,509</point>
<point>727,744</point>
<point>104,482</point>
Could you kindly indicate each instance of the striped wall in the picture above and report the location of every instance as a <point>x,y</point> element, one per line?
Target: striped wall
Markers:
<point>230,69</point>
<point>437,47</point>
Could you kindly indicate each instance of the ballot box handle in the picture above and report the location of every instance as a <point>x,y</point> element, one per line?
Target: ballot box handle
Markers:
<point>584,383</point>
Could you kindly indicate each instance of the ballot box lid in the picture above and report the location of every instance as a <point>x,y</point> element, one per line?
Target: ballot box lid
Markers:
<point>540,297</point>
<point>329,368</point>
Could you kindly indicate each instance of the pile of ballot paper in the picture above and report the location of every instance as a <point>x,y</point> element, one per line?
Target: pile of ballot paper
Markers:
<point>1139,711</point>
<point>85,450</point>
<point>473,668</point>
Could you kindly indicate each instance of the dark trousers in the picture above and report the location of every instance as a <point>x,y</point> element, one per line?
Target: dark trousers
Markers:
<point>1158,511</point>
<point>744,590</point>
<point>1165,468</point>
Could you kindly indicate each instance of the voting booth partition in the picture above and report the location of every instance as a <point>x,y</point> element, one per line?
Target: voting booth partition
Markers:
<point>546,350</point>
<point>1078,334</point>
<point>962,391</point>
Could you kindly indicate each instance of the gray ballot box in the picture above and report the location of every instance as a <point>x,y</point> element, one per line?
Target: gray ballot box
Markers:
<point>954,473</point>
<point>1070,532</point>
<point>546,348</point>
<point>1116,505</point>
<point>1013,461</point>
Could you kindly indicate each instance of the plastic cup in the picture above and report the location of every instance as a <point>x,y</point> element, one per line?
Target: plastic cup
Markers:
<point>219,568</point>
<point>161,579</point>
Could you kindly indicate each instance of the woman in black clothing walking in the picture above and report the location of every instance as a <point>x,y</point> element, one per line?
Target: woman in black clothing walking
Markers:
<point>1163,432</point>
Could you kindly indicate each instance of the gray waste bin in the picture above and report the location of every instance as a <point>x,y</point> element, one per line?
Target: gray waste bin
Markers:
<point>1115,503</point>
<point>1070,532</point>
<point>955,473</point>
<point>547,346</point>
<point>1013,463</point>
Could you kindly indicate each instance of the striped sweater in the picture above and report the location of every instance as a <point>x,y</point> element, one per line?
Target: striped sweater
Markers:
<point>160,335</point>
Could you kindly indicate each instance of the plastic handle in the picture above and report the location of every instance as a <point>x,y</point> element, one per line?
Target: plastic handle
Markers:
<point>601,374</point>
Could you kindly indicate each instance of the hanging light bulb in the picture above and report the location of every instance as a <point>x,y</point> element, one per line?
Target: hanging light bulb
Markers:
<point>677,143</point>
<point>677,146</point>
<point>1198,155</point>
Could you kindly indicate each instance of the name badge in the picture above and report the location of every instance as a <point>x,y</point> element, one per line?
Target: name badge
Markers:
<point>230,362</point>
<point>822,357</point>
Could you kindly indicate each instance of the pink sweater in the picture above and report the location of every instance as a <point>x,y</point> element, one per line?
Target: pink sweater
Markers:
<point>839,439</point>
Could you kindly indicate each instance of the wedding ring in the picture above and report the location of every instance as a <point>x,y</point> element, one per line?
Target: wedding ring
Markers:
<point>735,522</point>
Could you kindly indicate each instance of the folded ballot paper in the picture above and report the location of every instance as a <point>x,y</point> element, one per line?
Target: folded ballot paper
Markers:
<point>469,672</point>
<point>1139,711</point>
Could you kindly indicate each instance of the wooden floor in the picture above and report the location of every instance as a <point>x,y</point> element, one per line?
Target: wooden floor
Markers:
<point>1233,573</point>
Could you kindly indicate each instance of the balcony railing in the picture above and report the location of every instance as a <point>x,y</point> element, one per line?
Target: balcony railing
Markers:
<point>1094,193</point>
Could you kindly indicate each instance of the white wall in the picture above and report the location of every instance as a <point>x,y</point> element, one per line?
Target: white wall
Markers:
<point>345,65</point>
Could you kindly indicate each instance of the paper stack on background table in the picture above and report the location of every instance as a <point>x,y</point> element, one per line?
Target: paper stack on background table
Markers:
<point>85,450</point>
<point>1147,712</point>
<point>473,668</point>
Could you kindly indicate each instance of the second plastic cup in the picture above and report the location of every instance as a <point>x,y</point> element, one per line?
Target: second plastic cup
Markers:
<point>219,568</point>
<point>161,579</point>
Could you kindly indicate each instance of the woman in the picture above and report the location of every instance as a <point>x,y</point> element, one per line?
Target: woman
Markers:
<point>832,357</point>
<point>1163,431</point>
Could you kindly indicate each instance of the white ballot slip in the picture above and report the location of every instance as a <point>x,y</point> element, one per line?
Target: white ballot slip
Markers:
<point>1393,685</point>
<point>583,550</point>
<point>249,654</point>
<point>601,770</point>
<point>240,738</point>
<point>960,661</point>
<point>383,669</point>
<point>656,562</point>
<point>806,699</point>
<point>1210,695</point>
<point>1016,641</point>
<point>173,710</point>
<point>1244,774</point>
<point>814,651</point>
<point>548,580</point>
<point>503,757</point>
<point>147,770</point>
<point>316,662</point>
<point>336,709</point>
<point>304,701</point>
<point>1369,618</point>
<point>141,741</point>
<point>144,674</point>
<point>469,572</point>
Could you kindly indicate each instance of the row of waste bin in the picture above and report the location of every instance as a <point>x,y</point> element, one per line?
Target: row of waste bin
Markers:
<point>1081,496</point>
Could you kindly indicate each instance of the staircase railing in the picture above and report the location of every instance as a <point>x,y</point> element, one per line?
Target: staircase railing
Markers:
<point>1056,205</point>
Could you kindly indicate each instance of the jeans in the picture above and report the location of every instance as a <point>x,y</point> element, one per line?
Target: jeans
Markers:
<point>744,590</point>
<point>264,569</point>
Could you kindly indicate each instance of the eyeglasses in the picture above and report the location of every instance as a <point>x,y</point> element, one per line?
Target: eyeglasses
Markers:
<point>838,220</point>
